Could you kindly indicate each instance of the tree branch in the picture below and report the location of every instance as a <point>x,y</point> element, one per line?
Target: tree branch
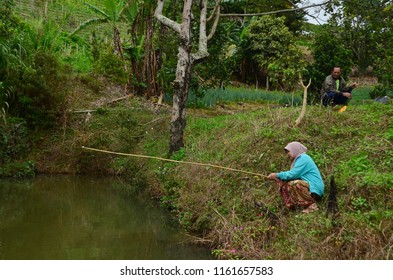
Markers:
<point>202,26</point>
<point>276,12</point>
<point>216,6</point>
<point>164,20</point>
<point>202,48</point>
<point>217,12</point>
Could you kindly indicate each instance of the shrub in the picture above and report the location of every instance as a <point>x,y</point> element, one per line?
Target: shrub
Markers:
<point>18,169</point>
<point>110,65</point>
<point>14,140</point>
<point>381,90</point>
<point>39,93</point>
<point>14,147</point>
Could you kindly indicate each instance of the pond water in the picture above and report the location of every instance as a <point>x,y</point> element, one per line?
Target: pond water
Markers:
<point>85,218</point>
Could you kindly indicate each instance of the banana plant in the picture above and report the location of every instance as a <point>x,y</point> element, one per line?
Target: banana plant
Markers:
<point>112,15</point>
<point>142,49</point>
<point>10,62</point>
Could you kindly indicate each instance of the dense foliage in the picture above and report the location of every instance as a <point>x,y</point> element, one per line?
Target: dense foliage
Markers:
<point>273,49</point>
<point>32,85</point>
<point>367,28</point>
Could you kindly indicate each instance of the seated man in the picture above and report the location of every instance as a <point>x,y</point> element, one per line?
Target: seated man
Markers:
<point>334,89</point>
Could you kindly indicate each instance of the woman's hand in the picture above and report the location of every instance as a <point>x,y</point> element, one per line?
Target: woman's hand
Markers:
<point>272,176</point>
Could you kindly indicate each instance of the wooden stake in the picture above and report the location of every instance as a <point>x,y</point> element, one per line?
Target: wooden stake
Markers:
<point>304,106</point>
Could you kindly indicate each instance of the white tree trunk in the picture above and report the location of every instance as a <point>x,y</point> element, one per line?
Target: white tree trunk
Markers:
<point>185,61</point>
<point>182,82</point>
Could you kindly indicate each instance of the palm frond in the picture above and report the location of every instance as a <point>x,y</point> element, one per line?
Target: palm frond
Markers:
<point>124,7</point>
<point>131,11</point>
<point>97,10</point>
<point>115,8</point>
<point>88,23</point>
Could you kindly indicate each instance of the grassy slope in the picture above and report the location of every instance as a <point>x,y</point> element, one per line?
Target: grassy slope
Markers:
<point>355,146</point>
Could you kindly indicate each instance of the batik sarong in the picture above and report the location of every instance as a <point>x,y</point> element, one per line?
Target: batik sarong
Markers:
<point>296,193</point>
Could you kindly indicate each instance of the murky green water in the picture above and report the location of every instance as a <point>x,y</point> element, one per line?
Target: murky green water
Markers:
<point>77,217</point>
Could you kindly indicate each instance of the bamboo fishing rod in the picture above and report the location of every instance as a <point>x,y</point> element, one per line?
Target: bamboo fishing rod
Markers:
<point>172,160</point>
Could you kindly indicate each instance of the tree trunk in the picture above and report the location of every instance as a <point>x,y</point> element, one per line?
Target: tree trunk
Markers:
<point>148,59</point>
<point>136,76</point>
<point>267,83</point>
<point>118,49</point>
<point>182,81</point>
<point>157,64</point>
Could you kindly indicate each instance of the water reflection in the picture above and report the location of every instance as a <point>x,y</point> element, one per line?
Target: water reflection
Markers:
<point>77,217</point>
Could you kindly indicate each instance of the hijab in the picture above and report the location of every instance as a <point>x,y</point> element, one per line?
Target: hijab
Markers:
<point>296,148</point>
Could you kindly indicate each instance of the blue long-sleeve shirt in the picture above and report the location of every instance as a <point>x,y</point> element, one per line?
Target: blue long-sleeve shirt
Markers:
<point>306,170</point>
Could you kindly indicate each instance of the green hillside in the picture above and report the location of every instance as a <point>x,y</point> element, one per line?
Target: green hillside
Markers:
<point>69,14</point>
